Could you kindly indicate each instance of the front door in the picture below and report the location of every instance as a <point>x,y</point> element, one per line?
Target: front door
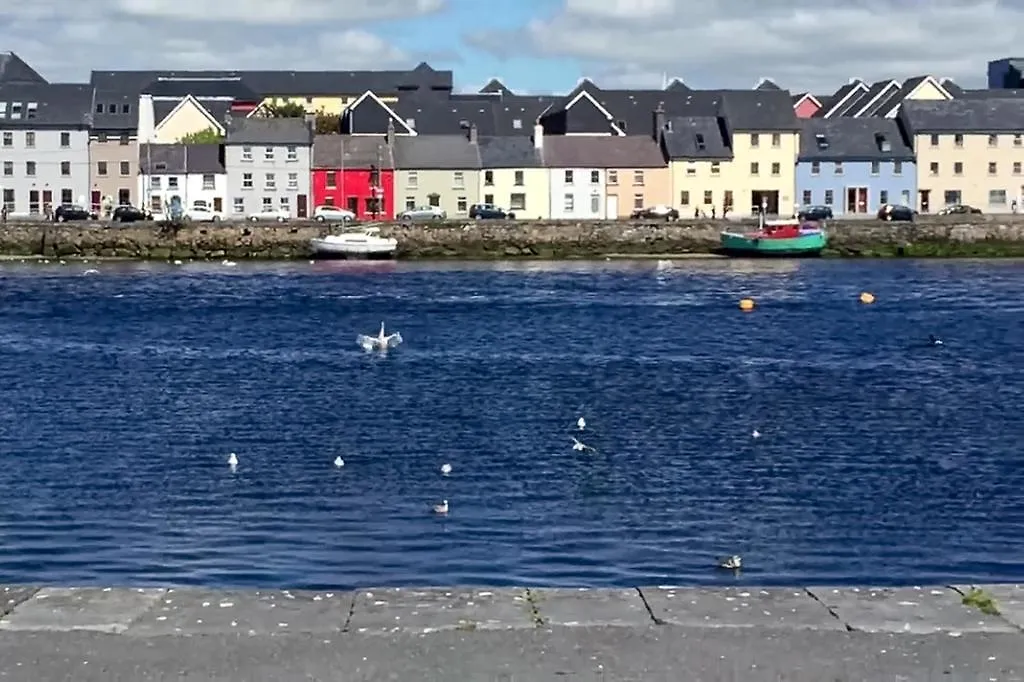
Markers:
<point>124,197</point>
<point>302,207</point>
<point>96,199</point>
<point>47,201</point>
<point>611,206</point>
<point>353,205</point>
<point>218,204</point>
<point>924,197</point>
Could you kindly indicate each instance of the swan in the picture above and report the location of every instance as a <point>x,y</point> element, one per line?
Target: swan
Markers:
<point>755,434</point>
<point>446,469</point>
<point>339,462</point>
<point>581,423</point>
<point>733,563</point>
<point>380,342</point>
<point>580,446</point>
<point>441,508</point>
<point>233,461</point>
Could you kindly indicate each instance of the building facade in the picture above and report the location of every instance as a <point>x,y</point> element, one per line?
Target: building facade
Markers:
<point>113,152</point>
<point>267,162</point>
<point>191,174</point>
<point>438,170</point>
<point>513,176</point>
<point>697,151</point>
<point>354,172</point>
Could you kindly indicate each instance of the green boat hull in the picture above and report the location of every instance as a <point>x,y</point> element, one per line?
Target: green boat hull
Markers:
<point>805,245</point>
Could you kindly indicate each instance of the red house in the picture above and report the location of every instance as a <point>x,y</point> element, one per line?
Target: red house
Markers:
<point>356,172</point>
<point>805,105</point>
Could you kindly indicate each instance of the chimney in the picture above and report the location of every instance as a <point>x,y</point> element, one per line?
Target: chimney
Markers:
<point>311,123</point>
<point>147,122</point>
<point>659,121</point>
<point>389,137</point>
<point>538,136</point>
<point>473,134</point>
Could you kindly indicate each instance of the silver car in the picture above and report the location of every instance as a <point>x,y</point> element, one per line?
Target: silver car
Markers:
<point>423,213</point>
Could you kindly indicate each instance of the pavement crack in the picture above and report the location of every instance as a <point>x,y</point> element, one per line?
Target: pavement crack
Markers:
<point>647,605</point>
<point>534,604</point>
<point>849,628</point>
<point>351,611</point>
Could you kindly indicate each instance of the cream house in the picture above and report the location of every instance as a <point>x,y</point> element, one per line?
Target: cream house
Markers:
<point>168,122</point>
<point>969,151</point>
<point>438,170</point>
<point>700,164</point>
<point>513,177</point>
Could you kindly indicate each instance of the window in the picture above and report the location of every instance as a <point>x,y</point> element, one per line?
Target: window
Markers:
<point>897,168</point>
<point>569,203</point>
<point>755,140</point>
<point>269,182</point>
<point>8,168</point>
<point>776,169</point>
<point>595,203</point>
<point>101,168</point>
<point>807,197</point>
<point>160,166</point>
<point>997,197</point>
<point>684,198</point>
<point>410,203</point>
<point>434,199</point>
<point>716,168</point>
<point>1016,167</point>
<point>30,168</point>
<point>124,197</point>
<point>126,108</point>
<point>727,201</point>
<point>33,201</point>
<point>709,197</point>
<point>30,139</point>
<point>459,180</point>
<point>268,153</point>
<point>247,181</point>
<point>65,168</point>
<point>488,177</point>
<point>155,203</point>
<point>292,153</point>
<point>935,141</point>
<point>815,168</point>
<point>933,168</point>
<point>332,179</point>
<point>268,203</point>
<point>837,167</point>
<point>568,177</point>
<point>691,170</point>
<point>958,140</point>
<point>65,140</point>
<point>172,182</point>
<point>67,196</point>
<point>992,168</point>
<point>517,202</point>
<point>461,206</point>
<point>293,181</point>
<point>156,182</point>
<point>328,201</point>
<point>1018,140</point>
<point>755,168</point>
<point>489,199</point>
<point>595,177</point>
<point>613,177</point>
<point>9,200</point>
<point>958,168</point>
<point>518,181</point>
<point>123,140</point>
<point>638,201</point>
<point>413,180</point>
<point>15,110</point>
<point>829,198</point>
<point>876,168</point>
<point>776,140</point>
<point>246,153</point>
<point>517,123</point>
<point>638,179</point>
<point>286,204</point>
<point>209,181</point>
<point>883,196</point>
<point>951,196</point>
<point>8,139</point>
<point>993,140</point>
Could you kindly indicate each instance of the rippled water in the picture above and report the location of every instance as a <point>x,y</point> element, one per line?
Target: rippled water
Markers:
<point>882,460</point>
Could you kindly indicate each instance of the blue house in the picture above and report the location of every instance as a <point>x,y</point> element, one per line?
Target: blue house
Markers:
<point>854,165</point>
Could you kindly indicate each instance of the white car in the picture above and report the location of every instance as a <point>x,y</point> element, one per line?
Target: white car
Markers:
<point>271,214</point>
<point>203,214</point>
<point>333,213</point>
<point>423,213</point>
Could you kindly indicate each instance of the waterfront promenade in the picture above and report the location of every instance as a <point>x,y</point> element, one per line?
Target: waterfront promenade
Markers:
<point>797,634</point>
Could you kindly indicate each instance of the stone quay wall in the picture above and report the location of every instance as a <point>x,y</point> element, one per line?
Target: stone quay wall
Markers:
<point>934,237</point>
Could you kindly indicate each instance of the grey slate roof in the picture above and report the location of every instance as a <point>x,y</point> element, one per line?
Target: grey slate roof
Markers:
<point>58,105</point>
<point>114,112</point>
<point>497,87</point>
<point>767,84</point>
<point>951,87</point>
<point>436,152</point>
<point>897,98</point>
<point>967,116</point>
<point>758,110</point>
<point>696,137</point>
<point>170,159</point>
<point>677,86</point>
<point>351,151</point>
<point>13,69</point>
<point>509,152</point>
<point>217,108</point>
<point>997,93</point>
<point>613,151</point>
<point>853,139</point>
<point>269,131</point>
<point>836,98</point>
<point>492,116</point>
<point>201,88</point>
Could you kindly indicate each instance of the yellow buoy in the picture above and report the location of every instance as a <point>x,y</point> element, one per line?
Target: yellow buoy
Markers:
<point>747,304</point>
<point>865,297</point>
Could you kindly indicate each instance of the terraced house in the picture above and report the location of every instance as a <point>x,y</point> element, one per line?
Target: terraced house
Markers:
<point>267,162</point>
<point>113,151</point>
<point>438,170</point>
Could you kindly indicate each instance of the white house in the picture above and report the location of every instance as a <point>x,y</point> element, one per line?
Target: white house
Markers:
<point>192,173</point>
<point>577,188</point>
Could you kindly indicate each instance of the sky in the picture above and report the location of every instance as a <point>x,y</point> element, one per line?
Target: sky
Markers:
<point>533,46</point>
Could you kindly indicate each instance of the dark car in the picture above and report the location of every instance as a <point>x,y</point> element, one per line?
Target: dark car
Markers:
<point>959,209</point>
<point>815,213</point>
<point>129,214</point>
<point>660,212</point>
<point>66,212</point>
<point>891,213</point>
<point>489,212</point>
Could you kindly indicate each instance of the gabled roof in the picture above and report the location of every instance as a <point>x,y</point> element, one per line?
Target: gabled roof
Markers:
<point>513,115</point>
<point>966,116</point>
<point>171,159</point>
<point>584,151</point>
<point>436,152</point>
<point>874,98</point>
<point>766,84</point>
<point>584,97</point>
<point>853,139</point>
<point>495,86</point>
<point>951,87</point>
<point>696,137</point>
<point>114,112</point>
<point>841,97</point>
<point>46,105</point>
<point>14,70</point>
<point>890,107</point>
<point>343,152</point>
<point>509,152</point>
<point>860,98</point>
<point>202,88</point>
<point>164,110</point>
<point>677,86</point>
<point>378,115</point>
<point>269,131</point>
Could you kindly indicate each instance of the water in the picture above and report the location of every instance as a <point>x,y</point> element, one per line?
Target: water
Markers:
<point>883,460</point>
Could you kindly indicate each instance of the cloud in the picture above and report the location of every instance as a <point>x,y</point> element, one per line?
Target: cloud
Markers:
<point>801,44</point>
<point>206,34</point>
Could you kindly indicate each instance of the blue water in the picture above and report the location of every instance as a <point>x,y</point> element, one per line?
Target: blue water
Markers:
<point>883,460</point>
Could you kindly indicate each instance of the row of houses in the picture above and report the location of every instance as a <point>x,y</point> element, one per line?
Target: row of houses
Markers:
<point>408,140</point>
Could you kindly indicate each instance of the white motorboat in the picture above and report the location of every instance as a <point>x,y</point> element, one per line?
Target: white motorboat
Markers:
<point>366,243</point>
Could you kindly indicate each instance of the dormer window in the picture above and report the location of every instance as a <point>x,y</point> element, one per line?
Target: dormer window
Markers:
<point>15,110</point>
<point>160,166</point>
<point>821,141</point>
<point>3,109</point>
<point>126,108</point>
<point>99,108</point>
<point>883,143</point>
<point>411,122</point>
<point>111,108</point>
<point>32,109</point>
<point>700,142</point>
<point>517,123</point>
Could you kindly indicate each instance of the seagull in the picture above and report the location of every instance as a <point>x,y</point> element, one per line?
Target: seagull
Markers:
<point>733,563</point>
<point>339,462</point>
<point>755,434</point>
<point>233,461</point>
<point>446,469</point>
<point>580,447</point>
<point>441,508</point>
<point>581,423</point>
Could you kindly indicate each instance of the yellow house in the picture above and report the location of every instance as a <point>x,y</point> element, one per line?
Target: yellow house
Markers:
<point>700,164</point>
<point>763,169</point>
<point>513,176</point>
<point>968,152</point>
<point>157,125</point>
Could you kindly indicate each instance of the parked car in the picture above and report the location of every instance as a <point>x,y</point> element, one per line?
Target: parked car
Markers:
<point>130,214</point>
<point>66,212</point>
<point>322,214</point>
<point>489,211</point>
<point>893,213</point>
<point>815,213</point>
<point>424,213</point>
<point>959,209</point>
<point>270,214</point>
<point>203,214</point>
<point>658,212</point>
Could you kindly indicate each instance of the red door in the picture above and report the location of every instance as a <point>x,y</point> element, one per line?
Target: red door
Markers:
<point>97,200</point>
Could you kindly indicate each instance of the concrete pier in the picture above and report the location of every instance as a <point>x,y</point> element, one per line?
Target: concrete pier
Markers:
<point>671,634</point>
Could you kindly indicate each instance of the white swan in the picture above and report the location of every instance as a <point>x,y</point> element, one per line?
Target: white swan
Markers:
<point>380,342</point>
<point>581,423</point>
<point>446,469</point>
<point>441,508</point>
<point>339,462</point>
<point>233,461</point>
<point>581,447</point>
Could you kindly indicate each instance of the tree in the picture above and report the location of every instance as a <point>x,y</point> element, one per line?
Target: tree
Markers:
<point>327,124</point>
<point>284,110</point>
<point>208,136</point>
